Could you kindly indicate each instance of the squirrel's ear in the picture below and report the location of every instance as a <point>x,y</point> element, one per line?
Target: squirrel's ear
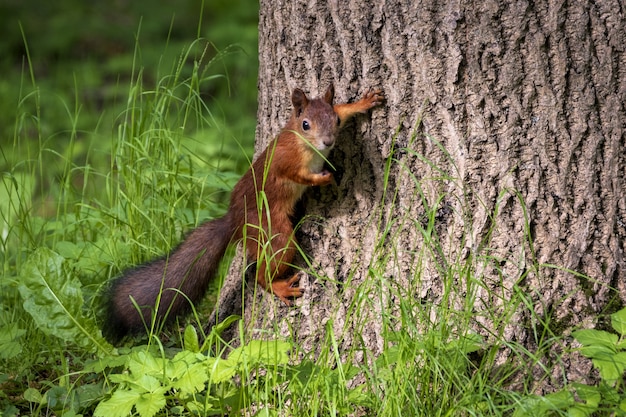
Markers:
<point>330,94</point>
<point>299,101</point>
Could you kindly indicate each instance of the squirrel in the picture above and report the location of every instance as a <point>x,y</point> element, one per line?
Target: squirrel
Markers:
<point>293,161</point>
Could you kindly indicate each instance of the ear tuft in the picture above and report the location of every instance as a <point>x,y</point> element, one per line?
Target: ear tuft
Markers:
<point>299,101</point>
<point>330,94</point>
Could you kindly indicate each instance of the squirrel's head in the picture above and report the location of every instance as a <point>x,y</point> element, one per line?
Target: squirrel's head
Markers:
<point>315,120</point>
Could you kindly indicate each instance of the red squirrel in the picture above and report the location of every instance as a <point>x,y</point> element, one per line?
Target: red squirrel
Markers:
<point>293,161</point>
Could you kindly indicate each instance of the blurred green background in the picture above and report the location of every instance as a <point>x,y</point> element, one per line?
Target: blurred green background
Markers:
<point>67,66</point>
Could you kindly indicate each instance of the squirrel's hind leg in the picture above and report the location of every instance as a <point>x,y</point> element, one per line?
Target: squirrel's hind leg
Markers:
<point>273,262</point>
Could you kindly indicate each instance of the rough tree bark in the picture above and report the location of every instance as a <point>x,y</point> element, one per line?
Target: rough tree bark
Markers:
<point>520,103</point>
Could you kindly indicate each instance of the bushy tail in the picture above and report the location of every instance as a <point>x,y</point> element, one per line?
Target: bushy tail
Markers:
<point>157,285</point>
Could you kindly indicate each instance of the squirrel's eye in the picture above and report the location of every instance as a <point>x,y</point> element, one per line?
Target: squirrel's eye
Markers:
<point>305,125</point>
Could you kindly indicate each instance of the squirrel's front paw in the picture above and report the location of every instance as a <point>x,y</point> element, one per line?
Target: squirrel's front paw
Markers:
<point>374,97</point>
<point>325,177</point>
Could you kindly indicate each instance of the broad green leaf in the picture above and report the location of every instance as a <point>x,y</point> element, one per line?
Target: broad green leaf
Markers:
<point>594,351</point>
<point>534,405</point>
<point>390,356</point>
<point>527,406</point>
<point>68,250</point>
<point>609,394</point>
<point>358,396</point>
<point>262,351</point>
<point>33,395</point>
<point>201,408</point>
<point>558,400</point>
<point>621,345</point>
<point>87,394</point>
<point>192,379</point>
<point>54,299</point>
<point>220,370</point>
<point>124,379</point>
<point>188,372</point>
<point>467,344</point>
<point>148,383</point>
<point>105,362</point>
<point>620,359</point>
<point>56,396</point>
<point>611,367</point>
<point>95,256</point>
<point>190,339</point>
<point>119,405</point>
<point>580,410</point>
<point>217,330</point>
<point>350,371</point>
<point>589,394</point>
<point>618,321</point>
<point>589,337</point>
<point>181,361</point>
<point>150,403</point>
<point>141,363</point>
<point>266,412</point>
<point>10,345</point>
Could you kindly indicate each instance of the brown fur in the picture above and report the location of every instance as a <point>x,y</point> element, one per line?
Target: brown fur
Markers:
<point>281,173</point>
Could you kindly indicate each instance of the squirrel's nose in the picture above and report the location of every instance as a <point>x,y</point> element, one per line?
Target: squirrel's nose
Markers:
<point>329,141</point>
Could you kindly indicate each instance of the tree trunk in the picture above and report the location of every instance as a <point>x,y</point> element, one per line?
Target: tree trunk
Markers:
<point>500,148</point>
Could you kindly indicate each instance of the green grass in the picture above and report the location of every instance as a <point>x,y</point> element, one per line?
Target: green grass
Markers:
<point>69,224</point>
<point>169,167</point>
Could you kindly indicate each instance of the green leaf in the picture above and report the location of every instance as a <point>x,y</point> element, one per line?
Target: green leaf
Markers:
<point>390,356</point>
<point>597,351</point>
<point>54,299</point>
<point>190,339</point>
<point>192,380</point>
<point>535,405</point>
<point>181,361</point>
<point>527,406</point>
<point>558,400</point>
<point>201,408</point>
<point>95,256</point>
<point>123,380</point>
<point>10,345</point>
<point>217,330</point>
<point>467,344</point>
<point>87,394</point>
<point>621,345</point>
<point>618,321</point>
<point>33,395</point>
<point>358,396</point>
<point>119,405</point>
<point>147,384</point>
<point>144,363</point>
<point>590,394</point>
<point>611,367</point>
<point>150,403</point>
<point>105,362</point>
<point>272,352</point>
<point>221,370</point>
<point>592,337</point>
<point>189,374</point>
<point>266,412</point>
<point>68,250</point>
<point>579,410</point>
